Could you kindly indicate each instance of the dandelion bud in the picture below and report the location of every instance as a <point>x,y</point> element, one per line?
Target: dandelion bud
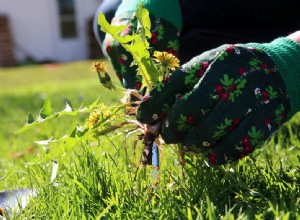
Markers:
<point>104,78</point>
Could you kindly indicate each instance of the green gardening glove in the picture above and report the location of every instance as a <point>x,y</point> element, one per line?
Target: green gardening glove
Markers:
<point>227,101</point>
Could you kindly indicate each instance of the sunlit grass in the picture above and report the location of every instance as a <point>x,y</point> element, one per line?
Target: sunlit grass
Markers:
<point>24,90</point>
<point>95,179</point>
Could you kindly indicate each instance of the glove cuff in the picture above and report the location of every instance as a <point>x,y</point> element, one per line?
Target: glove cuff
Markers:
<point>285,53</point>
<point>166,9</point>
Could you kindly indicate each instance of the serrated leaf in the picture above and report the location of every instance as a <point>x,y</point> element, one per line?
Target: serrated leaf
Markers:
<point>226,81</point>
<point>241,84</point>
<point>105,26</point>
<point>73,133</point>
<point>228,122</point>
<point>161,32</point>
<point>253,133</point>
<point>142,15</point>
<point>40,119</point>
<point>47,109</point>
<point>151,68</point>
<point>136,44</point>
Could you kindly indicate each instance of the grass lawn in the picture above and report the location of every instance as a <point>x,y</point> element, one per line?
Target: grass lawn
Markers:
<point>95,180</point>
<point>24,89</point>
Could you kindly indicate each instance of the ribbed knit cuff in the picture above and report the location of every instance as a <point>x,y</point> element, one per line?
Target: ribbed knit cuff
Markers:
<point>165,9</point>
<point>285,53</point>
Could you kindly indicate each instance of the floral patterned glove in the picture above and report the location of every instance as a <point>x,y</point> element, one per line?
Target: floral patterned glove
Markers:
<point>223,103</point>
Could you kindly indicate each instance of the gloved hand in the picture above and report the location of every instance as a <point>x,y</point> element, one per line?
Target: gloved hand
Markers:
<point>227,101</point>
<point>165,27</point>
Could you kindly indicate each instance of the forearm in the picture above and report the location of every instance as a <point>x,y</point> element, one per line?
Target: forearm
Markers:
<point>168,10</point>
<point>295,36</point>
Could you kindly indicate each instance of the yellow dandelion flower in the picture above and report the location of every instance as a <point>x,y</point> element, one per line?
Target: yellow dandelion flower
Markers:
<point>106,113</point>
<point>93,118</point>
<point>98,67</point>
<point>167,60</point>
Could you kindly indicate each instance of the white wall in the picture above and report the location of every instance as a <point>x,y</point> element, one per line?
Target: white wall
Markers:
<point>35,29</point>
<point>77,48</point>
<point>30,26</point>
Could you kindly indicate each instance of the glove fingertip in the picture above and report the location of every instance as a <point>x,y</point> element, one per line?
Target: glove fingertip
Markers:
<point>144,115</point>
<point>169,136</point>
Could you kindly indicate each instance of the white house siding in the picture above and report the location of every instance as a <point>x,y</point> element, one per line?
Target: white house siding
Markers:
<point>36,32</point>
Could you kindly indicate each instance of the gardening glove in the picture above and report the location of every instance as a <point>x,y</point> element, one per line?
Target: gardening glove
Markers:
<point>227,101</point>
<point>165,26</point>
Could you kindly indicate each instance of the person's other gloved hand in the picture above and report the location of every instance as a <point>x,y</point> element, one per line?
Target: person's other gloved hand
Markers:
<point>165,27</point>
<point>226,102</point>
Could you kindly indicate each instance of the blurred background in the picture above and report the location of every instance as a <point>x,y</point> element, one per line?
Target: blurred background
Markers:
<point>43,31</point>
<point>47,48</point>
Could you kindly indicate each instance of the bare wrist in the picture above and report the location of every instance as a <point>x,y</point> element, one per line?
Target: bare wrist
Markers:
<point>295,37</point>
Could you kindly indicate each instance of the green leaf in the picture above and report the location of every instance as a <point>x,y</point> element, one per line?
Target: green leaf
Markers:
<point>47,109</point>
<point>272,93</point>
<point>181,125</point>
<point>254,62</point>
<point>253,133</point>
<point>30,119</point>
<point>78,132</point>
<point>231,97</point>
<point>228,122</point>
<point>279,110</point>
<point>106,27</point>
<point>142,15</point>
<point>136,44</point>
<point>159,86</point>
<point>223,55</point>
<point>53,115</point>
<point>241,84</point>
<point>161,32</point>
<point>151,68</point>
<point>173,44</point>
<point>226,81</point>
